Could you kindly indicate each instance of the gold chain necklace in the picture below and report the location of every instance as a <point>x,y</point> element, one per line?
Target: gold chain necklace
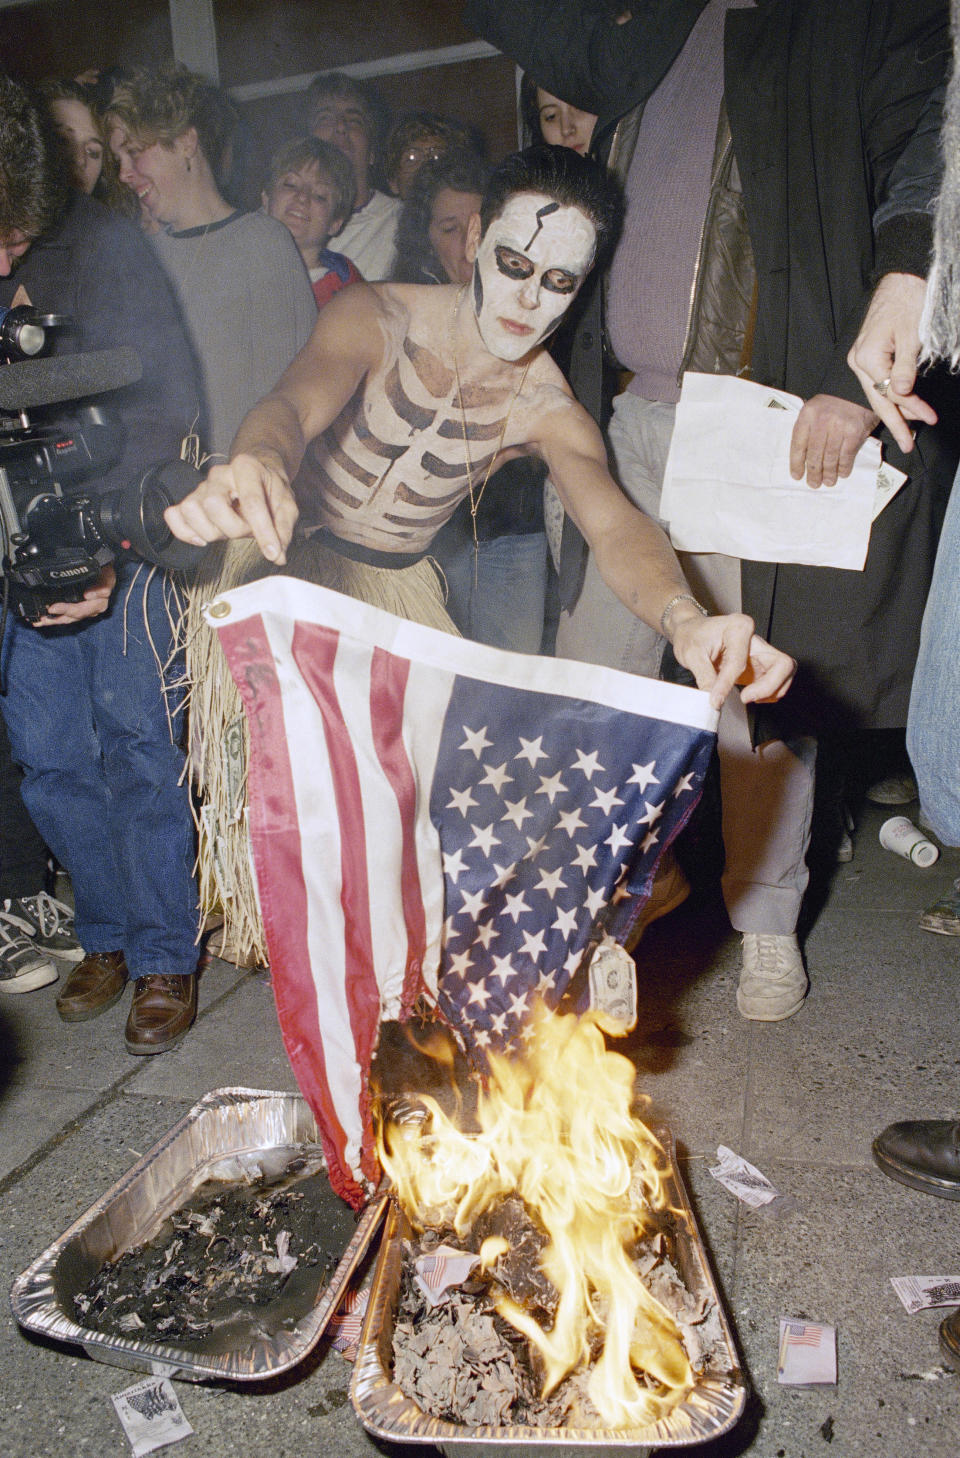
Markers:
<point>475,501</point>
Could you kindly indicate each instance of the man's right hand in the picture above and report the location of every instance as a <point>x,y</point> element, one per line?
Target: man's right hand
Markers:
<point>247,498</point>
<point>887,349</point>
<point>723,650</point>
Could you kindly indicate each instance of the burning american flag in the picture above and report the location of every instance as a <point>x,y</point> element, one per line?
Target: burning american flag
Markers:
<point>432,817</point>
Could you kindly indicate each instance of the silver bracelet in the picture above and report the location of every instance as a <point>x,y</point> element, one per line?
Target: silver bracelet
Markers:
<point>680,597</point>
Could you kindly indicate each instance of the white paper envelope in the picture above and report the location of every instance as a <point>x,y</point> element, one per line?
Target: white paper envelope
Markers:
<point>728,486</point>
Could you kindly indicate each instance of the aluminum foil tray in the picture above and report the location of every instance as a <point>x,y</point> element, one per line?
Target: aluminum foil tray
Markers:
<point>712,1408</point>
<point>229,1131</point>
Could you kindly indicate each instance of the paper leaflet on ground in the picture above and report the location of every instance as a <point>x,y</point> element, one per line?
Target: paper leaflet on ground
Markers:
<point>920,1292</point>
<point>432,817</point>
<point>151,1415</point>
<point>728,487</point>
<point>742,1179</point>
<point>807,1354</point>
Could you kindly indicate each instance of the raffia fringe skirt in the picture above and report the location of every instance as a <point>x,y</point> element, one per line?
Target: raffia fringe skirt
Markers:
<point>217,755</point>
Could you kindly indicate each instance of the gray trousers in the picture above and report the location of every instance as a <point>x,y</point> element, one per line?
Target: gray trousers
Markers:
<point>766,792</point>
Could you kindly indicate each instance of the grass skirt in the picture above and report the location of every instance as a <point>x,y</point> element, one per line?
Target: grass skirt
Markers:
<point>218,733</point>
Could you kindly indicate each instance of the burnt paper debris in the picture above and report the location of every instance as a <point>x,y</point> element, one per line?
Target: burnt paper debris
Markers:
<point>238,1262</point>
<point>460,1361</point>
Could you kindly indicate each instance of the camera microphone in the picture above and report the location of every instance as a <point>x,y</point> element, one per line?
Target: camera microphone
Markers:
<point>31,383</point>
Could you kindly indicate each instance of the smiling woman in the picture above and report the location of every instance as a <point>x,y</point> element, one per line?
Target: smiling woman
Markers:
<point>310,189</point>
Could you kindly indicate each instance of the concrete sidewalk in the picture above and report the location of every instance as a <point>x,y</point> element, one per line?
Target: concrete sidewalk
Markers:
<point>876,1041</point>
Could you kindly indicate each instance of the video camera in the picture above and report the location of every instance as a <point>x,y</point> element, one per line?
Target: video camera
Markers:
<point>56,538</point>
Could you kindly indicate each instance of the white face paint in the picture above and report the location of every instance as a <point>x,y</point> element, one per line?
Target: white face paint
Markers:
<point>530,263</point>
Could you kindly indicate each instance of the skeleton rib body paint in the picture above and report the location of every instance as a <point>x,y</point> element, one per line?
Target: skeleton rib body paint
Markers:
<point>530,263</point>
<point>393,467</point>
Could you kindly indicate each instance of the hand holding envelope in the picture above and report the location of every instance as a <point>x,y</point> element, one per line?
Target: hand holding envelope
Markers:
<point>728,486</point>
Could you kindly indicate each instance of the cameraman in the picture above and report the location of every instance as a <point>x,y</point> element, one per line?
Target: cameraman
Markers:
<point>85,702</point>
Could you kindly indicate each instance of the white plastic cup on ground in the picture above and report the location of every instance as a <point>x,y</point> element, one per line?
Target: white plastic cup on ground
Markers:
<point>900,835</point>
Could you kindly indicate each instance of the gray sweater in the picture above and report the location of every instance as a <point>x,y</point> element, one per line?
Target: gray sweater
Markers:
<point>249,308</point>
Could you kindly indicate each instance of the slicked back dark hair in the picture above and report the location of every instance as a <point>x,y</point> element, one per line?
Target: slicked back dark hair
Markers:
<point>34,184</point>
<point>563,175</point>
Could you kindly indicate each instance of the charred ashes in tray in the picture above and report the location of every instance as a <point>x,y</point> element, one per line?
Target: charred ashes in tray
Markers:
<point>232,1255</point>
<point>463,1363</point>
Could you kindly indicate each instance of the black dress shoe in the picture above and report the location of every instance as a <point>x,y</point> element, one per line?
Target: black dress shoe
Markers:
<point>950,1339</point>
<point>924,1153</point>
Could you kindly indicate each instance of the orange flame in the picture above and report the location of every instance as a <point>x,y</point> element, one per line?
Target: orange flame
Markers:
<point>555,1127</point>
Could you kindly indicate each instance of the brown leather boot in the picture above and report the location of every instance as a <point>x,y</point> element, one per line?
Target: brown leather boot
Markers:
<point>163,1008</point>
<point>95,984</point>
<point>670,889</point>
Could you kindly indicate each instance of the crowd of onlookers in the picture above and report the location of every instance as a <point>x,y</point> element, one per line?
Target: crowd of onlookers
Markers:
<point>355,195</point>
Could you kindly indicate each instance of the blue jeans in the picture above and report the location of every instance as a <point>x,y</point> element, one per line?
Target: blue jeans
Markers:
<point>496,593</point>
<point>933,722</point>
<point>87,722</point>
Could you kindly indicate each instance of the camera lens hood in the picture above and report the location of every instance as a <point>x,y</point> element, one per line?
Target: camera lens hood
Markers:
<point>132,516</point>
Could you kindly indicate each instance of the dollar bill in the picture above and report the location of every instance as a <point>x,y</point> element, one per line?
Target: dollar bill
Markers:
<point>613,987</point>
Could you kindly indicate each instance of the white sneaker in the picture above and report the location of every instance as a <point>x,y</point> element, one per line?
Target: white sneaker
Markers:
<point>773,982</point>
<point>23,967</point>
<point>894,790</point>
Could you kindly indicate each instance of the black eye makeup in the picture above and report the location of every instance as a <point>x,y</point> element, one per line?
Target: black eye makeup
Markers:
<point>514,265</point>
<point>558,281</point>
<point>517,266</point>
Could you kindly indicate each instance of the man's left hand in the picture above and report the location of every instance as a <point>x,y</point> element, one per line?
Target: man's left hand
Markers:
<point>828,433</point>
<point>724,650</point>
<point>93,602</point>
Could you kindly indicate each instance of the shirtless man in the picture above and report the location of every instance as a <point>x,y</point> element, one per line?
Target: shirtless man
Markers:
<point>406,398</point>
